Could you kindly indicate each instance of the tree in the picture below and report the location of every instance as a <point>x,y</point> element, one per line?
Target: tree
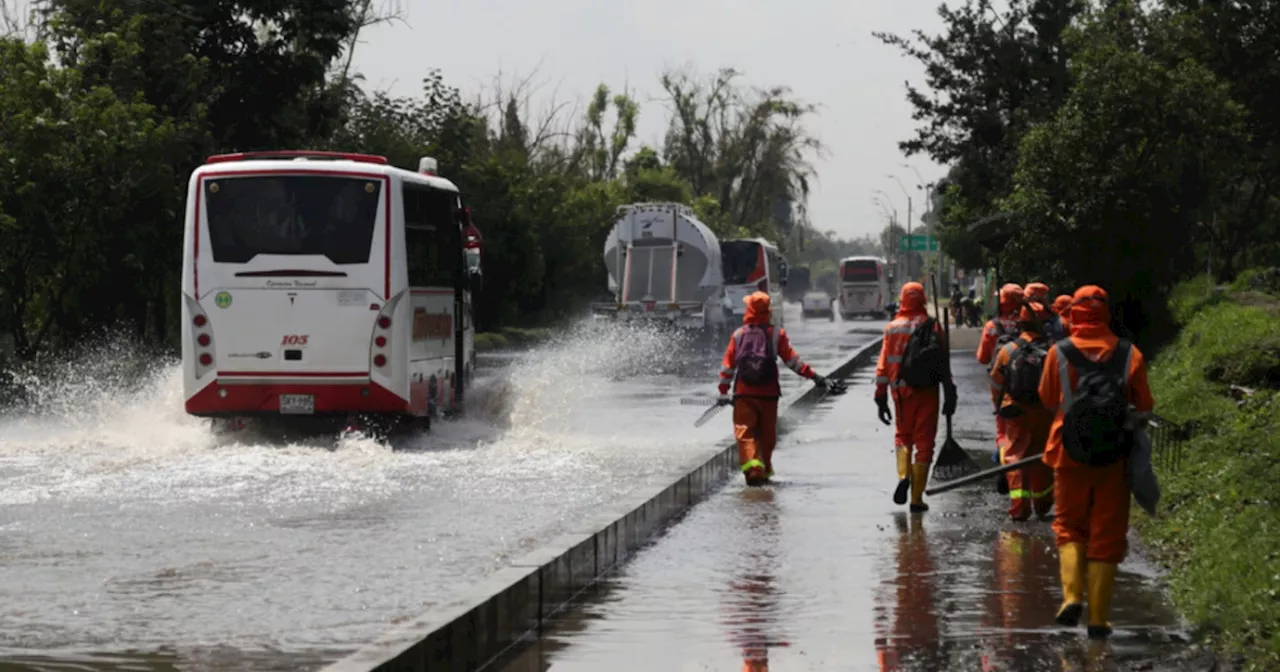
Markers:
<point>73,162</point>
<point>1112,189</point>
<point>742,149</point>
<point>991,75</point>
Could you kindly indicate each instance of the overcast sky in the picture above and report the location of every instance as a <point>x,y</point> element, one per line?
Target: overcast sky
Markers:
<point>822,49</point>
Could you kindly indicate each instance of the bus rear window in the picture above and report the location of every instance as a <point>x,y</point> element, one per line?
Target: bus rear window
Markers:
<point>861,271</point>
<point>297,215</point>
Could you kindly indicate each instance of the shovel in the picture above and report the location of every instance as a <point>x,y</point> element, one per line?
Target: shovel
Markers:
<point>953,462</point>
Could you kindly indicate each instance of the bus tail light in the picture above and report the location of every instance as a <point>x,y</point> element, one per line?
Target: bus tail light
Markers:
<point>201,338</point>
<point>380,339</point>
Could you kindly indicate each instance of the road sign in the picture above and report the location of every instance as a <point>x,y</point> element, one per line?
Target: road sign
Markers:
<point>918,244</point>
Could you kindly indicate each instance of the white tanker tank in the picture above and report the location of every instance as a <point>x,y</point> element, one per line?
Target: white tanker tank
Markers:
<point>663,264</point>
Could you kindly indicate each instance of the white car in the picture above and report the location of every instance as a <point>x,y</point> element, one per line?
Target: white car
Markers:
<point>818,304</point>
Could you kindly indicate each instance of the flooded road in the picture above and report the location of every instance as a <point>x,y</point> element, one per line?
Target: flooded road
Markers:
<point>132,538</point>
<point>821,571</point>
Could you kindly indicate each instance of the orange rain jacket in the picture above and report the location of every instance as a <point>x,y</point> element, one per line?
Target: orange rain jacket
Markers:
<point>1093,502</point>
<point>1006,323</point>
<point>1023,436</point>
<point>759,313</point>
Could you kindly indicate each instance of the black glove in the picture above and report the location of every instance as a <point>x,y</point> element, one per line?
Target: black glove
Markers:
<point>724,400</point>
<point>948,398</point>
<point>883,404</point>
<point>819,381</point>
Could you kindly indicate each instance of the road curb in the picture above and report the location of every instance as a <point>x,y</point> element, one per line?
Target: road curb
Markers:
<point>513,603</point>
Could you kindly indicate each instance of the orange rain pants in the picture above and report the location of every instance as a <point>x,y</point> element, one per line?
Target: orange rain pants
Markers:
<point>755,425</point>
<point>917,422</point>
<point>1093,509</point>
<point>1032,486</point>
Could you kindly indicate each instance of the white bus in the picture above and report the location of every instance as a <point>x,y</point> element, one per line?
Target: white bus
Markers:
<point>864,289</point>
<point>752,265</point>
<point>328,286</point>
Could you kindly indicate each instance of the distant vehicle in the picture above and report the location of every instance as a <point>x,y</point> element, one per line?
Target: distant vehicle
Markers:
<point>864,289</point>
<point>327,286</point>
<point>664,265</point>
<point>818,304</point>
<point>798,283</point>
<point>751,265</point>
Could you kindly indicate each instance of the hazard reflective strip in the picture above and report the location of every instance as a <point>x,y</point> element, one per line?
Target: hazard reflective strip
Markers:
<point>752,464</point>
<point>893,359</point>
<point>1043,493</point>
<point>899,330</point>
<point>882,380</point>
<point>1020,494</point>
<point>1065,375</point>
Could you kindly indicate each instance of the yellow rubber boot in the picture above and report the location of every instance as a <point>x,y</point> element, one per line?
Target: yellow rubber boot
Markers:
<point>904,475</point>
<point>919,479</point>
<point>1102,582</point>
<point>1071,564</point>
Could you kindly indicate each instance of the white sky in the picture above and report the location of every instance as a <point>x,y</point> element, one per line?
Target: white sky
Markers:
<point>822,49</point>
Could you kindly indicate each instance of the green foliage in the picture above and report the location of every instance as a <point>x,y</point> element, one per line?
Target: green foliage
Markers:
<point>96,146</point>
<point>1219,531</point>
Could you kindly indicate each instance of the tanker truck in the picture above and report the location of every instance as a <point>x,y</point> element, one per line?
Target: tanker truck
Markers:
<point>664,265</point>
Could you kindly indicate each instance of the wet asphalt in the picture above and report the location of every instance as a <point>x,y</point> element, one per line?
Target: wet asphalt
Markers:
<point>821,571</point>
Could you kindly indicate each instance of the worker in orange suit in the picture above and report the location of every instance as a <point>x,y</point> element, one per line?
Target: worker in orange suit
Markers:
<point>750,367</point>
<point>1027,422</point>
<point>1039,293</point>
<point>916,407</point>
<point>1062,306</point>
<point>998,331</point>
<point>1092,522</point>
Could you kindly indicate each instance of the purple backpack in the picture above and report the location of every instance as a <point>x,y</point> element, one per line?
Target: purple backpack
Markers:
<point>756,362</point>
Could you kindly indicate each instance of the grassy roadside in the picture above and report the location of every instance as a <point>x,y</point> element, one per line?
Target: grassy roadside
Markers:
<point>1219,529</point>
<point>511,337</point>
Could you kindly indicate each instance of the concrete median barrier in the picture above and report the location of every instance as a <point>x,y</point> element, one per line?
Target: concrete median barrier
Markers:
<point>511,605</point>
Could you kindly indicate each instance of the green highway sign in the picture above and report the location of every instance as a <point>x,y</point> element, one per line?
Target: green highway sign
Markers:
<point>918,244</point>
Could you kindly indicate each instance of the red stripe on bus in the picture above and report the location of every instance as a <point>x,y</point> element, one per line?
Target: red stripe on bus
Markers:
<point>293,374</point>
<point>195,263</point>
<point>387,268</point>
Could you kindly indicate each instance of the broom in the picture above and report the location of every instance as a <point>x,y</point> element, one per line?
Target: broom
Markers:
<point>953,462</point>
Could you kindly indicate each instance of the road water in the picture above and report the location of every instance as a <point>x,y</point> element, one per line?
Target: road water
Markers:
<point>821,571</point>
<point>131,537</point>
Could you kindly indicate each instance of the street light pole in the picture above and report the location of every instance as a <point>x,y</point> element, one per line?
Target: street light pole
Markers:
<point>908,195</point>
<point>898,253</point>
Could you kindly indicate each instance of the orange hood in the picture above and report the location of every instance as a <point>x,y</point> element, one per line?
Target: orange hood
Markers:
<point>759,308</point>
<point>1090,311</point>
<point>1036,291</point>
<point>1010,299</point>
<point>911,300</point>
<point>1062,306</point>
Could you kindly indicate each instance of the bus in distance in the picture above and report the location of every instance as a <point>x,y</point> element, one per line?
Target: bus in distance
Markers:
<point>864,289</point>
<point>323,289</point>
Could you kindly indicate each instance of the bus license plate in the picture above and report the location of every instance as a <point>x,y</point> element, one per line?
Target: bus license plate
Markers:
<point>297,404</point>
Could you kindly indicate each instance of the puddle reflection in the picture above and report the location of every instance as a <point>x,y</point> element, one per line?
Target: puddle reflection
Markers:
<point>907,624</point>
<point>751,604</point>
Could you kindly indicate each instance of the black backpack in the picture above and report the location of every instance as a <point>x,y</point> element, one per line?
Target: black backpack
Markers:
<point>1022,373</point>
<point>1005,332</point>
<point>755,355</point>
<point>1097,429</point>
<point>924,363</point>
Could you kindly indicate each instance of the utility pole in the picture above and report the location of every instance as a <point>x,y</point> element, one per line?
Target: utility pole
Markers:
<point>906,193</point>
